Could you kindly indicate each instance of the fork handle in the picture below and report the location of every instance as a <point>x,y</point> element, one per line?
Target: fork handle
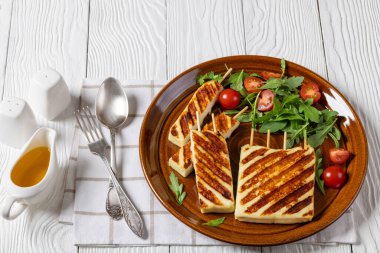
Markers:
<point>130,213</point>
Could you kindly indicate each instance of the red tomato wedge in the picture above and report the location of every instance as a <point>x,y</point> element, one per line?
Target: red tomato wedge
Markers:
<point>339,155</point>
<point>310,90</point>
<point>266,75</point>
<point>265,102</point>
<point>229,99</point>
<point>334,176</point>
<point>252,83</point>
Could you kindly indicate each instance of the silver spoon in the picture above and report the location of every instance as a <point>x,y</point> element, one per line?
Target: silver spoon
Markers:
<point>112,111</point>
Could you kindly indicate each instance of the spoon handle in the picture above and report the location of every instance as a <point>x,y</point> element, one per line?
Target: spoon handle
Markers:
<point>113,207</point>
<point>131,215</point>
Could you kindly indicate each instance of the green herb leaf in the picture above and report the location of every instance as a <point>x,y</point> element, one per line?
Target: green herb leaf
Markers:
<point>283,66</point>
<point>310,112</point>
<point>319,171</point>
<point>319,137</point>
<point>215,223</point>
<point>236,80</point>
<point>209,76</point>
<point>244,118</point>
<point>293,82</point>
<point>272,83</point>
<point>255,75</point>
<point>177,188</point>
<point>274,126</point>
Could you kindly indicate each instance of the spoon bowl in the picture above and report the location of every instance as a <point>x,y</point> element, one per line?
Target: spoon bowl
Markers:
<point>111,104</point>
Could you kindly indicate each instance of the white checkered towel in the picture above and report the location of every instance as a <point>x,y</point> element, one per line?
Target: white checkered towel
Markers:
<point>87,186</point>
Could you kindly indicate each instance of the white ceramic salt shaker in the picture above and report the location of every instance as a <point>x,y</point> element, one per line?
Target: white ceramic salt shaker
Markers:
<point>48,93</point>
<point>17,122</point>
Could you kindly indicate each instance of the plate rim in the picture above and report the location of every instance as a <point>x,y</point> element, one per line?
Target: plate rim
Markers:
<point>206,232</point>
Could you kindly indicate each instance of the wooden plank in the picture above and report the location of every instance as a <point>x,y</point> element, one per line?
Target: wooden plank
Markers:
<point>5,24</point>
<point>157,249</point>
<point>127,39</point>
<point>351,33</point>
<point>44,33</point>
<point>288,29</point>
<point>213,249</point>
<point>202,30</point>
<point>300,248</point>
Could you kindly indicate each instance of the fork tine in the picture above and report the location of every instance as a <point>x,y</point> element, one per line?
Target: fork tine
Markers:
<point>91,128</point>
<point>94,125</point>
<point>87,131</point>
<point>80,125</point>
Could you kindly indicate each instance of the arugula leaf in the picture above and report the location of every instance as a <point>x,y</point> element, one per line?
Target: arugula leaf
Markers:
<point>245,117</point>
<point>319,137</point>
<point>214,223</point>
<point>293,82</point>
<point>209,76</point>
<point>294,136</point>
<point>274,126</point>
<point>283,66</point>
<point>177,188</point>
<point>310,112</point>
<point>236,81</point>
<point>319,171</point>
<point>255,75</point>
<point>272,83</point>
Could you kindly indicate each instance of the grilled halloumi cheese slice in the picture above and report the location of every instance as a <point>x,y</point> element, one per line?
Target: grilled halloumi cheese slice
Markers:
<point>275,185</point>
<point>202,101</point>
<point>181,160</point>
<point>212,172</point>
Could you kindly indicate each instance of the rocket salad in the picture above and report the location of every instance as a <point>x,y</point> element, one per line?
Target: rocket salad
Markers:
<point>280,103</point>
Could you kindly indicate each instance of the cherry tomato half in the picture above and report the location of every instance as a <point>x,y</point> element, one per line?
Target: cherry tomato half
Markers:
<point>266,75</point>
<point>265,102</point>
<point>334,176</point>
<point>229,99</point>
<point>252,83</point>
<point>339,155</point>
<point>310,90</point>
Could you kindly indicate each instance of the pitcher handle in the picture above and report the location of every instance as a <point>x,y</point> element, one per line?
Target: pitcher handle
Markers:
<point>10,211</point>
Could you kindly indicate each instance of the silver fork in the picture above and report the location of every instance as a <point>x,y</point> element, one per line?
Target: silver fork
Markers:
<point>100,147</point>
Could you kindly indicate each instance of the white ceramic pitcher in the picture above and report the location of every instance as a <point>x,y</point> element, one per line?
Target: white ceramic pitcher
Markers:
<point>19,198</point>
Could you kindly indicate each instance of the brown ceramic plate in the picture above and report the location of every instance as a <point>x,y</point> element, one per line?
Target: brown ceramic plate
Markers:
<point>155,150</point>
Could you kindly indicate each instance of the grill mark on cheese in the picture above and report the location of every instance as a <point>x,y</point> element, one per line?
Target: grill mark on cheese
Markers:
<point>254,154</point>
<point>215,169</point>
<point>212,181</point>
<point>184,125</point>
<point>175,157</point>
<point>264,162</point>
<point>186,155</point>
<point>291,198</point>
<point>187,120</point>
<point>300,205</point>
<point>279,166</point>
<point>270,184</point>
<point>216,141</point>
<point>208,195</point>
<point>193,111</point>
<point>213,149</point>
<point>174,131</point>
<point>281,191</point>
<point>201,100</point>
<point>310,213</point>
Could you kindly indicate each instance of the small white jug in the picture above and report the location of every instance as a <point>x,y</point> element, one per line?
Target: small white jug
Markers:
<point>20,197</point>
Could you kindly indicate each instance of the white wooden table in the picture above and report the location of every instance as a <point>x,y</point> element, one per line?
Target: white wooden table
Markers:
<point>146,39</point>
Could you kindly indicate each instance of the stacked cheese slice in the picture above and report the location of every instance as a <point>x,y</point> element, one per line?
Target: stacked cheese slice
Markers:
<point>213,172</point>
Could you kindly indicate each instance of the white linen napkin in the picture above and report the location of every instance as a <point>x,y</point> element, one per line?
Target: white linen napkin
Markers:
<point>87,186</point>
